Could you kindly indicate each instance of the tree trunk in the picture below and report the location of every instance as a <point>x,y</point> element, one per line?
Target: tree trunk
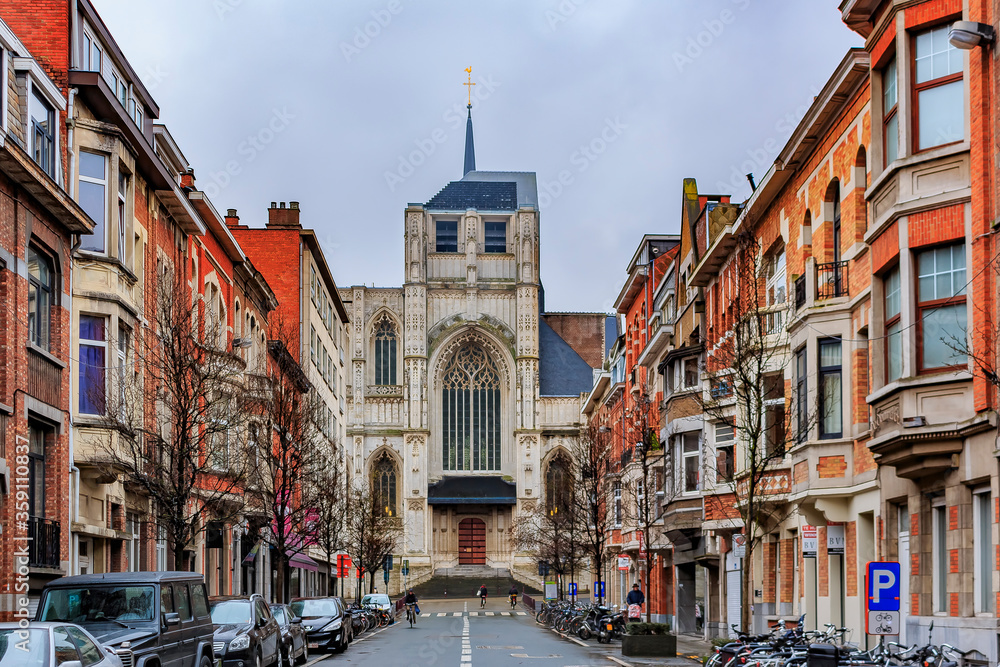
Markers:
<point>747,594</point>
<point>279,590</point>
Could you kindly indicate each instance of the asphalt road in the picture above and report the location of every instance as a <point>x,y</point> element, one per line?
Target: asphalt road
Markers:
<point>458,633</point>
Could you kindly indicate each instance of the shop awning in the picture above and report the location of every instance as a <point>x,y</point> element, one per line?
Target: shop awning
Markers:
<point>302,561</point>
<point>472,490</point>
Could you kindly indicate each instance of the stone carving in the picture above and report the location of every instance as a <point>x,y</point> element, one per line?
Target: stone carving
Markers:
<point>880,416</point>
<point>415,505</point>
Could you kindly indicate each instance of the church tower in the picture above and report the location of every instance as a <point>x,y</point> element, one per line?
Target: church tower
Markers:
<point>446,411</point>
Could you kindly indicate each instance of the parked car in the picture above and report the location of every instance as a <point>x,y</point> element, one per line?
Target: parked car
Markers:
<point>140,615</point>
<point>246,633</point>
<point>325,620</point>
<point>293,638</point>
<point>52,645</point>
<point>377,601</point>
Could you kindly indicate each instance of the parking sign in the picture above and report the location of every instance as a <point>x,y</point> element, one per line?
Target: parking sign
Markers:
<point>882,591</point>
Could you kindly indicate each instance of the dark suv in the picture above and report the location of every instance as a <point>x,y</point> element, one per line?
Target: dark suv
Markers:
<point>147,618</point>
<point>327,625</point>
<point>246,634</point>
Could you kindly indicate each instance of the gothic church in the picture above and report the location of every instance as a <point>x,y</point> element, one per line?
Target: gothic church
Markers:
<point>462,389</point>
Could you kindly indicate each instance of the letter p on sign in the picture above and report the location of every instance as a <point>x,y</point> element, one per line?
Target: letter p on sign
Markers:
<point>883,586</point>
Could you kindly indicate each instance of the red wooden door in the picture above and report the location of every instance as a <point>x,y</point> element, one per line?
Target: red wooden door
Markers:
<point>472,542</point>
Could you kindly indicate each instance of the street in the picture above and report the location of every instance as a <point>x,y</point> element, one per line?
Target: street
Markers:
<point>458,632</point>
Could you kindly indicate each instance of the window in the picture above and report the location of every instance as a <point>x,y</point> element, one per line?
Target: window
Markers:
<point>774,413</point>
<point>836,231</point>
<point>686,374</point>
<point>496,237</point>
<point>219,435</point>
<point>92,54</point>
<point>93,361</point>
<point>983,545</point>
<point>93,198</point>
<point>776,290</point>
<point>940,104</point>
<point>802,394</point>
<point>183,601</point>
<point>43,128</point>
<point>132,545</point>
<point>725,441</point>
<point>471,413</point>
<point>690,457</point>
<point>122,218</point>
<point>89,653</point>
<point>313,345</point>
<point>941,316</point>
<point>830,389</point>
<point>161,555</point>
<point>618,504</point>
<point>890,119</point>
<point>313,284</point>
<point>64,648</point>
<point>893,328</point>
<point>447,236</point>
<point>385,352</point>
<point>39,298</point>
<point>37,435</point>
<point>939,555</point>
<point>558,485</point>
<point>199,601</point>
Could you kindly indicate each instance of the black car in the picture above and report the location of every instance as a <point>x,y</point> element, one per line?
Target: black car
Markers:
<point>146,618</point>
<point>246,634</point>
<point>325,620</point>
<point>293,637</point>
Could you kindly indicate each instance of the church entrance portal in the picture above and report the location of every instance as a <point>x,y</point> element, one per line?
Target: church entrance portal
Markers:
<point>471,542</point>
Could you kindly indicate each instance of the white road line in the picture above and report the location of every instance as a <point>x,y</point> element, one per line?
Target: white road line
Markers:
<point>426,614</point>
<point>473,613</point>
<point>522,613</point>
<point>466,660</point>
<point>441,613</point>
<point>458,613</point>
<point>489,613</point>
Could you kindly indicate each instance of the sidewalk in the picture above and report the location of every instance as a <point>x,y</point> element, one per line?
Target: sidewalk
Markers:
<point>690,650</point>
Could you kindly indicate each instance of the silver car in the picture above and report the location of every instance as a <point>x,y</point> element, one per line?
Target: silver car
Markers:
<point>52,645</point>
<point>377,601</point>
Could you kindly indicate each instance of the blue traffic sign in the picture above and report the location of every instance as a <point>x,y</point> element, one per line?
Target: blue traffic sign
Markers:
<point>572,588</point>
<point>599,588</point>
<point>883,586</point>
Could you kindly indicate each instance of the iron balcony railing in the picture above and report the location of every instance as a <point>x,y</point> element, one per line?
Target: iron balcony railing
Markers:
<point>43,542</point>
<point>831,280</point>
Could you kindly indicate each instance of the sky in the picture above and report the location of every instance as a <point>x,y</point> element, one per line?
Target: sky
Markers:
<point>356,108</point>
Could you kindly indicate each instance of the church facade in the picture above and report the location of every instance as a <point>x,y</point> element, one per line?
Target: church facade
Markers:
<point>462,389</point>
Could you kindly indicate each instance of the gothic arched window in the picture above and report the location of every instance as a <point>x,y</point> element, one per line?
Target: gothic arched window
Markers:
<point>558,484</point>
<point>471,410</point>
<point>384,484</point>
<point>385,352</point>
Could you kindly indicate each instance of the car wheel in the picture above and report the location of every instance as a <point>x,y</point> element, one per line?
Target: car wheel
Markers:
<point>304,656</point>
<point>257,661</point>
<point>285,657</point>
<point>205,662</point>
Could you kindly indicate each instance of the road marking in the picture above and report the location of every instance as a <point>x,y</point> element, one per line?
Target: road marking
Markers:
<point>502,648</point>
<point>489,613</point>
<point>620,661</point>
<point>458,613</point>
<point>426,614</point>
<point>522,613</point>
<point>473,613</point>
<point>466,644</point>
<point>441,613</point>
<point>525,655</point>
<point>372,634</point>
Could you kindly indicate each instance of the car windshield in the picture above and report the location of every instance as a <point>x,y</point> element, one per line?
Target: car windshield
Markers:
<point>99,604</point>
<point>24,648</point>
<point>375,599</point>
<point>313,608</point>
<point>279,614</point>
<point>227,612</point>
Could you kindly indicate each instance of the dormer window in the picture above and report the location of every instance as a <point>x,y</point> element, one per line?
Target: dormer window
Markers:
<point>495,240</point>
<point>42,132</point>
<point>446,234</point>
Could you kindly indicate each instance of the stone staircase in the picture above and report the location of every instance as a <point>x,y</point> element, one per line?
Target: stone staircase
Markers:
<point>463,581</point>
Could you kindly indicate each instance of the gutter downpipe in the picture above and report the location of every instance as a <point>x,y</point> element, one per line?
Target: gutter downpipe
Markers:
<point>74,472</point>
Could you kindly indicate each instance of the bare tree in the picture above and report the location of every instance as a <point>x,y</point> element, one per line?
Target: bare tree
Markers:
<point>591,457</point>
<point>370,532</point>
<point>289,445</point>
<point>329,506</point>
<point>174,424</point>
<point>745,371</point>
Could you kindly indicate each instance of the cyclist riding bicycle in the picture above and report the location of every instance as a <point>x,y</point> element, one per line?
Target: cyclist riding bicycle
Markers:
<point>512,594</point>
<point>411,603</point>
<point>482,595</point>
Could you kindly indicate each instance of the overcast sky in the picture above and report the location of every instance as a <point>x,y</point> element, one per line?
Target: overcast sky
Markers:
<point>355,108</point>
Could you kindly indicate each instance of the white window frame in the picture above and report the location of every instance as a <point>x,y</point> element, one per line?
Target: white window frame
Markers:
<point>102,344</point>
<point>939,556</point>
<point>730,443</point>
<point>617,507</point>
<point>982,513</point>
<point>776,290</point>
<point>685,455</point>
<point>102,224</point>
<point>133,548</point>
<point>161,549</point>
<point>122,217</point>
<point>124,342</point>
<point>90,43</point>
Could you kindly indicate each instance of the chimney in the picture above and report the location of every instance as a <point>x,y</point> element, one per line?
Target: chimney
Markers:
<point>279,216</point>
<point>187,179</point>
<point>232,220</point>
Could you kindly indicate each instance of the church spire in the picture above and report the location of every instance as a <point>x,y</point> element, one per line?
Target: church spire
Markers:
<point>470,149</point>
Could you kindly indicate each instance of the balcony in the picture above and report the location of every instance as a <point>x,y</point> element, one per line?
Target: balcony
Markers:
<point>831,280</point>
<point>44,376</point>
<point>43,542</point>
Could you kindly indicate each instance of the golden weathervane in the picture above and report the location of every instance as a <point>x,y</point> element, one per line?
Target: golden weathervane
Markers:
<point>470,84</point>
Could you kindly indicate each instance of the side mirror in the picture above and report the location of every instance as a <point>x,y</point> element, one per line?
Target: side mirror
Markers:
<point>71,663</point>
<point>172,618</point>
<point>296,619</point>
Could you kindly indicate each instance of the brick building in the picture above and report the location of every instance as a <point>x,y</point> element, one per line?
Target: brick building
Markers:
<point>40,226</point>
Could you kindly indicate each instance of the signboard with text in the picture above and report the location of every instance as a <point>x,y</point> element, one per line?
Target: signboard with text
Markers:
<point>882,591</point>
<point>835,540</point>
<point>624,563</point>
<point>810,541</point>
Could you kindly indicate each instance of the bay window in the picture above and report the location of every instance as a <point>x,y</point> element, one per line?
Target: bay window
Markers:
<point>43,132</point>
<point>941,309</point>
<point>93,360</point>
<point>890,117</point>
<point>690,455</point>
<point>122,219</point>
<point>725,441</point>
<point>94,198</point>
<point>893,328</point>
<point>802,395</point>
<point>830,389</point>
<point>939,92</point>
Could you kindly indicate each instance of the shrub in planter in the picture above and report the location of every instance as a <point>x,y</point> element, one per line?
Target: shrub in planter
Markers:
<point>649,640</point>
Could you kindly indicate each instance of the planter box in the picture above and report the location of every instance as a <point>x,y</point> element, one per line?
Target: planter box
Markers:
<point>650,646</point>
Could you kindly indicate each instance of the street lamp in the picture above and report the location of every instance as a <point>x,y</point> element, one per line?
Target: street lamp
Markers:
<point>967,35</point>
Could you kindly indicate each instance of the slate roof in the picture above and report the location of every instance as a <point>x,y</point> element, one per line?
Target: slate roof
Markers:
<point>472,490</point>
<point>480,195</point>
<point>561,371</point>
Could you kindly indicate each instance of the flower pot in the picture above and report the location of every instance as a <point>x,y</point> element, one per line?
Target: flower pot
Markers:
<point>650,646</point>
